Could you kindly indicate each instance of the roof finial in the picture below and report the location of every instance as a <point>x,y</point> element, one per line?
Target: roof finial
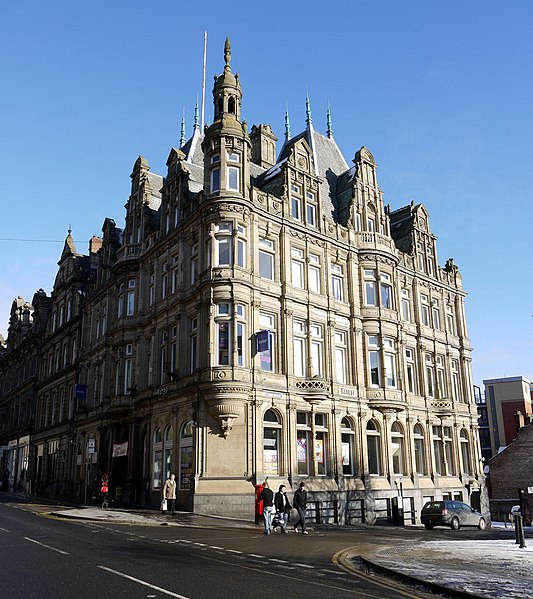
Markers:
<point>287,124</point>
<point>308,119</point>
<point>196,123</point>
<point>227,52</point>
<point>182,138</point>
<point>329,131</point>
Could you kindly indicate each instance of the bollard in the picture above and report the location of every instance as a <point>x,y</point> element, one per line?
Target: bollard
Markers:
<point>521,535</point>
<point>516,535</point>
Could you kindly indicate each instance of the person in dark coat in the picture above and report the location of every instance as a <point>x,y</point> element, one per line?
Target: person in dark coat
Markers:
<point>267,496</point>
<point>283,507</point>
<point>300,503</point>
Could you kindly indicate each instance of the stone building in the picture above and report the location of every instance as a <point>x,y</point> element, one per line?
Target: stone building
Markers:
<point>263,316</point>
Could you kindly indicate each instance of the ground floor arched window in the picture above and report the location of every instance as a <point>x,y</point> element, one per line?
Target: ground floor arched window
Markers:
<point>465,452</point>
<point>420,450</point>
<point>373,444</point>
<point>186,456</point>
<point>271,443</point>
<point>348,447</point>
<point>397,449</point>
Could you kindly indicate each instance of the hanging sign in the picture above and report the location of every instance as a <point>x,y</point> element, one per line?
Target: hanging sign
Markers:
<point>120,450</point>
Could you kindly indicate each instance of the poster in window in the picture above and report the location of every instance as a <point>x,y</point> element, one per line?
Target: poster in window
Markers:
<point>319,451</point>
<point>186,468</point>
<point>345,448</point>
<point>301,449</point>
<point>270,461</point>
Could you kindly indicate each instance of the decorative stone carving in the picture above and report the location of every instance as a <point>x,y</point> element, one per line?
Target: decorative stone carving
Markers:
<point>226,411</point>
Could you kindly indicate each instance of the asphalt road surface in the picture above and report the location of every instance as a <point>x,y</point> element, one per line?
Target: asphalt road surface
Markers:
<point>44,557</point>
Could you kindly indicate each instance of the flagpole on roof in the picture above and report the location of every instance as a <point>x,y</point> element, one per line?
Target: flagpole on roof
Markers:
<point>203,80</point>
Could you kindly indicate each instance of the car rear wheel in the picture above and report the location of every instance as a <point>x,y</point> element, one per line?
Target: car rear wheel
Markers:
<point>429,526</point>
<point>454,524</point>
<point>482,524</point>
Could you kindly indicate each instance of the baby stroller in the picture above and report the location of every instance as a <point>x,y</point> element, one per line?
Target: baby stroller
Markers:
<point>277,521</point>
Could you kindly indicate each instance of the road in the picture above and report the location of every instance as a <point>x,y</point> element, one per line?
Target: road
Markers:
<point>45,557</point>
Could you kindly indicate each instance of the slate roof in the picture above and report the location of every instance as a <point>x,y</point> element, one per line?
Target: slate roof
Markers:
<point>401,227</point>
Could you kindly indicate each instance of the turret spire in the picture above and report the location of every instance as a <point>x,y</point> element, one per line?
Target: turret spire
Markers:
<point>227,53</point>
<point>287,125</point>
<point>196,123</point>
<point>183,139</point>
<point>329,131</point>
<point>308,118</point>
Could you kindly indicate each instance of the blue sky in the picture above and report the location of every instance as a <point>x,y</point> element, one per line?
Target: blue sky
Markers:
<point>441,93</point>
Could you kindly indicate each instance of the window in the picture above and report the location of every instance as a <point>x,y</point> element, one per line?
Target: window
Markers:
<point>297,267</point>
<point>175,274</point>
<point>311,209</point>
<point>193,336</point>
<point>456,390</point>
<point>194,263</point>
<point>128,368</point>
<point>373,445</point>
<point>186,456</point>
<point>374,360</point>
<point>410,370</point>
<point>337,282</point>
<point>299,348</point>
<point>215,180</point>
<point>435,310</point>
<point>233,178</point>
<point>347,447</point>
<point>390,361</point>
<point>321,444</point>
<point>406,305</point>
<point>397,449</point>
<point>424,309</point>
<point>164,280</point>
<point>430,375</point>
<point>420,255</point>
<point>303,442</point>
<point>167,452</point>
<point>296,208</point>
<point>173,351</point>
<point>442,447</point>
<point>241,246</point>
<point>420,450</point>
<point>317,350</point>
<point>157,459</point>
<point>233,157</point>
<point>465,452</point>
<point>385,290</point>
<point>314,273</point>
<point>370,287</point>
<point>450,319</point>
<point>266,258</point>
<point>151,290</point>
<point>271,443</point>
<point>340,356</point>
<point>241,337</point>
<point>223,243</point>
<point>441,377</point>
<point>130,310</point>
<point>223,326</point>
<point>267,322</point>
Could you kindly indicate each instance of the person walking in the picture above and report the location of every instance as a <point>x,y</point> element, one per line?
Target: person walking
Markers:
<point>300,503</point>
<point>267,496</point>
<point>169,493</point>
<point>283,507</point>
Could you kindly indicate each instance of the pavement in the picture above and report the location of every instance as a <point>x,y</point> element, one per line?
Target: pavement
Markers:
<point>457,568</point>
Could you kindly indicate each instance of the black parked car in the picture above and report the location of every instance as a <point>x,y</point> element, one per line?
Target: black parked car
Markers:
<point>451,513</point>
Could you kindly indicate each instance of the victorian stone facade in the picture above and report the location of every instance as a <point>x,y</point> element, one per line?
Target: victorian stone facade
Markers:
<point>261,316</point>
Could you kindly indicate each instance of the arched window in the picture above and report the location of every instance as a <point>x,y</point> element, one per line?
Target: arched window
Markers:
<point>465,452</point>
<point>373,444</point>
<point>231,105</point>
<point>157,459</point>
<point>167,451</point>
<point>347,446</point>
<point>398,449</point>
<point>271,443</point>
<point>186,455</point>
<point>420,450</point>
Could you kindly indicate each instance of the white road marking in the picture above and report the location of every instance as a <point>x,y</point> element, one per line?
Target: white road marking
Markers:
<point>279,561</point>
<point>215,547</point>
<point>234,551</point>
<point>47,546</point>
<point>146,584</point>
<point>305,566</point>
<point>255,555</point>
<point>4,529</point>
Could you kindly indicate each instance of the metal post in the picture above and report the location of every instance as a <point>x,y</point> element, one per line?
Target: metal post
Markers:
<point>521,532</point>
